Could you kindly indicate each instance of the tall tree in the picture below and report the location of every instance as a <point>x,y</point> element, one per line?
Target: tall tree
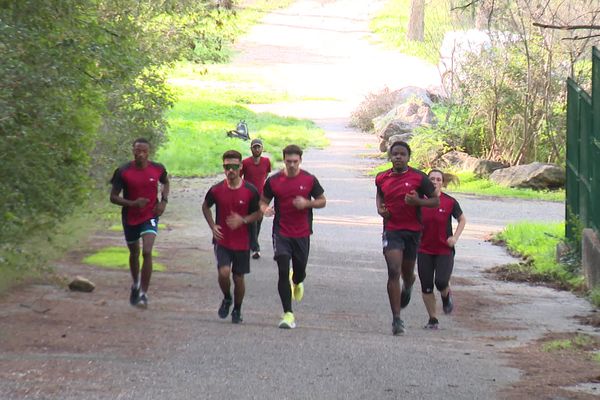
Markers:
<point>416,23</point>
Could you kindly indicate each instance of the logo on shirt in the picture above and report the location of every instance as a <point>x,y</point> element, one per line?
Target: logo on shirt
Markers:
<point>241,201</point>
<point>302,187</point>
<point>152,179</point>
<point>440,209</point>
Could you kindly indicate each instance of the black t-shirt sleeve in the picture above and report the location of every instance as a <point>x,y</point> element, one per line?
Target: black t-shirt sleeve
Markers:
<point>317,189</point>
<point>163,176</point>
<point>456,210</point>
<point>253,205</point>
<point>117,180</point>
<point>267,190</point>
<point>209,198</point>
<point>426,188</point>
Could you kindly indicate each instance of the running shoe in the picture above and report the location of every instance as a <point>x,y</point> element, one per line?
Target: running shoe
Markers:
<point>298,292</point>
<point>143,301</point>
<point>287,321</point>
<point>398,326</point>
<point>433,323</point>
<point>134,296</point>
<point>224,309</point>
<point>256,255</point>
<point>405,295</point>
<point>236,316</point>
<point>447,303</point>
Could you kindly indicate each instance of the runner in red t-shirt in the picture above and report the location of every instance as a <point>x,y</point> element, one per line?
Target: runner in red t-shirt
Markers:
<point>296,193</point>
<point>237,206</point>
<point>255,170</point>
<point>139,180</point>
<point>401,192</point>
<point>436,250</point>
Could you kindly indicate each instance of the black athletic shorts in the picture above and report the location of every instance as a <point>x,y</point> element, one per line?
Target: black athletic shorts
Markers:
<point>296,248</point>
<point>134,232</point>
<point>434,269</point>
<point>238,260</point>
<point>407,241</point>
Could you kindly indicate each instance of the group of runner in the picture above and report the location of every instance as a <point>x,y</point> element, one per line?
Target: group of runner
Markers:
<point>417,224</point>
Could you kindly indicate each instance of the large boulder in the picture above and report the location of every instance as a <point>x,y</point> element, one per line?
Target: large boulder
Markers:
<point>534,176</point>
<point>405,137</point>
<point>403,119</point>
<point>410,93</point>
<point>459,160</point>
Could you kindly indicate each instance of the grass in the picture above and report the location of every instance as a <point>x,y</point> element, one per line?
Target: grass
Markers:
<point>391,26</point>
<point>117,258</point>
<point>536,242</point>
<point>579,341</point>
<point>594,296</point>
<point>207,109</point>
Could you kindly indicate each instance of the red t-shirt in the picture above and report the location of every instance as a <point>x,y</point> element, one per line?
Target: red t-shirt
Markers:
<point>139,182</point>
<point>256,174</point>
<point>437,226</point>
<point>243,201</point>
<point>289,221</point>
<point>393,187</point>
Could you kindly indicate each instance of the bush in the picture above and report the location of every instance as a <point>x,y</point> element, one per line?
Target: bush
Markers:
<point>374,105</point>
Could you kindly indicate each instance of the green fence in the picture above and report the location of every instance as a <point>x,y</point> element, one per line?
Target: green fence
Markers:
<point>583,154</point>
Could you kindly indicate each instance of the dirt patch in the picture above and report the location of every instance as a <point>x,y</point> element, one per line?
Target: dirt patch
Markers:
<point>548,369</point>
<point>522,272</point>
<point>473,310</point>
<point>592,319</point>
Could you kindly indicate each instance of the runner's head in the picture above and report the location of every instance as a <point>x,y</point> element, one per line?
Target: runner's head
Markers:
<point>399,153</point>
<point>292,157</point>
<point>232,164</point>
<point>141,151</point>
<point>256,146</point>
<point>441,179</point>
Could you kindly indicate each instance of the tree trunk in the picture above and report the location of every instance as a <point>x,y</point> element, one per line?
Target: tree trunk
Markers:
<point>483,19</point>
<point>416,23</point>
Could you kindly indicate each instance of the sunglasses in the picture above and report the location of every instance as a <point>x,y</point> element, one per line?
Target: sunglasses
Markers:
<point>228,167</point>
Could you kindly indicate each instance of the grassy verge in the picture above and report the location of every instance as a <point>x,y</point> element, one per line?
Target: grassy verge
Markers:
<point>30,259</point>
<point>536,243</point>
<point>207,107</point>
<point>471,184</point>
<point>391,25</point>
<point>117,258</point>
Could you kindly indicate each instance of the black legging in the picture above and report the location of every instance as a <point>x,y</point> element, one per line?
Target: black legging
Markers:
<point>283,284</point>
<point>439,266</point>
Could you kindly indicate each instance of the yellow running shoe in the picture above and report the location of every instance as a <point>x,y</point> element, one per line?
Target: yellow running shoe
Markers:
<point>292,283</point>
<point>298,292</point>
<point>287,321</point>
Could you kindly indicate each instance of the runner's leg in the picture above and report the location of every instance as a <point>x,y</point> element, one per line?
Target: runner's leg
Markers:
<point>239,289</point>
<point>147,245</point>
<point>393,258</point>
<point>283,284</point>
<point>134,261</point>
<point>426,269</point>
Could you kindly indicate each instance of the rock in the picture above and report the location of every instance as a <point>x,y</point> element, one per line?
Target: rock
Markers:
<point>534,176</point>
<point>385,144</point>
<point>410,93</point>
<point>81,284</point>
<point>465,162</point>
<point>403,119</point>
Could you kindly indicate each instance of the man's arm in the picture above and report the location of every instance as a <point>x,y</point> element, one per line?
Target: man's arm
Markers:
<point>164,197</point>
<point>381,208</point>
<point>216,229</point>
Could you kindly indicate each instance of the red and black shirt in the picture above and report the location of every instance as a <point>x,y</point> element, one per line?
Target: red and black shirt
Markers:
<point>243,201</point>
<point>256,174</point>
<point>139,182</point>
<point>437,226</point>
<point>289,221</point>
<point>393,187</point>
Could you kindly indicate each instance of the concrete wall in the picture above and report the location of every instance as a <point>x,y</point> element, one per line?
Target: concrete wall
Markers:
<point>590,252</point>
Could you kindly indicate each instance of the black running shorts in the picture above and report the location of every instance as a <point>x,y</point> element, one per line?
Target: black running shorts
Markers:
<point>239,260</point>
<point>407,241</point>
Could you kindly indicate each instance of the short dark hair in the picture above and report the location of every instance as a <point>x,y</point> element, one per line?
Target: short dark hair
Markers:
<point>292,149</point>
<point>399,143</point>
<point>141,140</point>
<point>232,154</point>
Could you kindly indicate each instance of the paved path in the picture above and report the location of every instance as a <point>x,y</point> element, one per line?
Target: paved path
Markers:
<point>343,347</point>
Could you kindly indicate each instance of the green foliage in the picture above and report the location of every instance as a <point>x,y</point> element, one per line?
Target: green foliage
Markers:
<point>117,258</point>
<point>391,25</point>
<point>556,345</point>
<point>594,296</point>
<point>537,242</point>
